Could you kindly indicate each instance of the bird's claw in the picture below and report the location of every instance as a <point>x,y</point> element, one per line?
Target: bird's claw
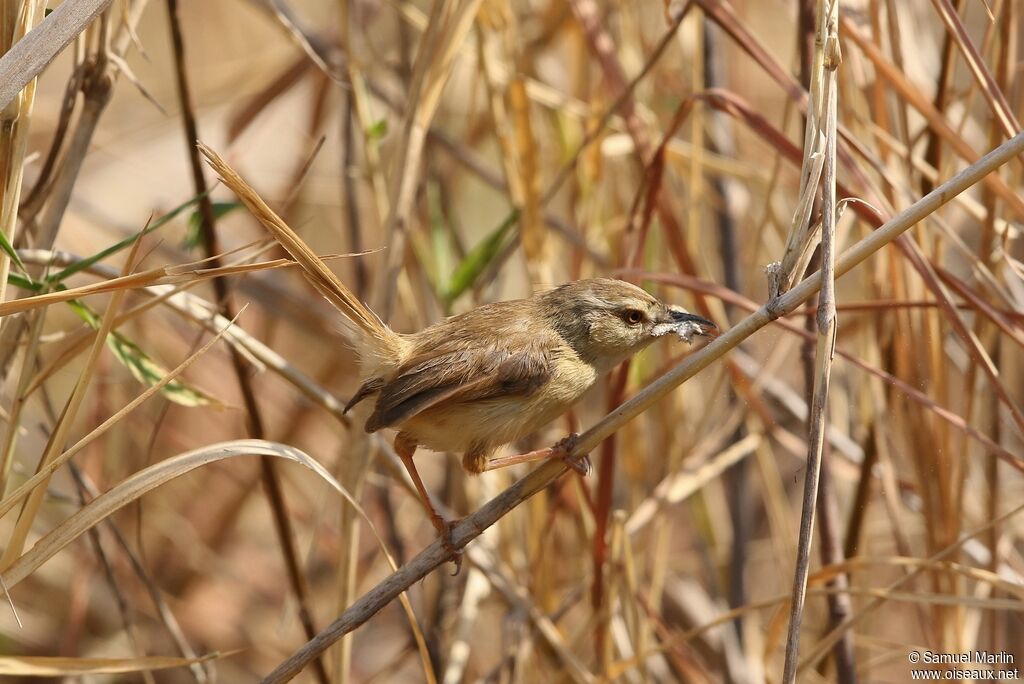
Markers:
<point>444,532</point>
<point>563,448</point>
<point>581,464</point>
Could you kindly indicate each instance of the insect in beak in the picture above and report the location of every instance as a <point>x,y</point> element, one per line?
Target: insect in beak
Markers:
<point>697,324</point>
<point>683,324</point>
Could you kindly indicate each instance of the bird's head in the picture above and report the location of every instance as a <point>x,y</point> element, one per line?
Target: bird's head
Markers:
<point>606,321</point>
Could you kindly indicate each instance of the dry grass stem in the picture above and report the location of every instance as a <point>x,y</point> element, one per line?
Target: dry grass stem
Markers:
<point>29,56</point>
<point>827,61</point>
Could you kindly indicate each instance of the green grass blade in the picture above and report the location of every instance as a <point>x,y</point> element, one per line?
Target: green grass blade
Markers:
<point>113,249</point>
<point>142,367</point>
<point>194,236</point>
<point>470,268</point>
<point>9,250</point>
<point>24,282</point>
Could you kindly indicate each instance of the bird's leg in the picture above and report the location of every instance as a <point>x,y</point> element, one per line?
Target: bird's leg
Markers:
<point>405,448</point>
<point>561,449</point>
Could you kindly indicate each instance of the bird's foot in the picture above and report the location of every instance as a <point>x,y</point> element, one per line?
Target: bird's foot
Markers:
<point>563,448</point>
<point>444,532</point>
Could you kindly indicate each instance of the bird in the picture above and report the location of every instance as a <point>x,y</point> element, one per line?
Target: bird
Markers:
<point>479,380</point>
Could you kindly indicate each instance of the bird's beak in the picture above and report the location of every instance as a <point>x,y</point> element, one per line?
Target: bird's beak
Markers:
<point>679,321</point>
<point>683,318</point>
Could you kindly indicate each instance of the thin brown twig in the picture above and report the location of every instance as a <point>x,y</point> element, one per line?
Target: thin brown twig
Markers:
<point>1001,111</point>
<point>127,622</point>
<point>256,430</point>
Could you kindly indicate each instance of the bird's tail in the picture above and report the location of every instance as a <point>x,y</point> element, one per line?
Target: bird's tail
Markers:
<point>377,338</point>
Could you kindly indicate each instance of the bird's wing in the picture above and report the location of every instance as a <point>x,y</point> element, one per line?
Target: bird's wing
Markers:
<point>455,371</point>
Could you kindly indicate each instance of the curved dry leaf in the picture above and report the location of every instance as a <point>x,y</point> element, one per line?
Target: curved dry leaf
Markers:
<point>108,503</point>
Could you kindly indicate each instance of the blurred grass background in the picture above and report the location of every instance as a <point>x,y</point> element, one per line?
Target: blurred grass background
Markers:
<point>673,561</point>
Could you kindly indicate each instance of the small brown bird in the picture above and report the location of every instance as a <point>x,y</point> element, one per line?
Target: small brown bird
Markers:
<point>477,381</point>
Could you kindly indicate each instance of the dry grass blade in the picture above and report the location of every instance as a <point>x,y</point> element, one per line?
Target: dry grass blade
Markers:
<point>803,236</point>
<point>30,55</point>
<point>448,28</point>
<point>116,285</point>
<point>163,275</point>
<point>40,666</point>
<point>105,505</point>
<point>146,480</point>
<point>518,598</point>
<point>936,120</point>
<point>681,485</point>
<point>986,82</point>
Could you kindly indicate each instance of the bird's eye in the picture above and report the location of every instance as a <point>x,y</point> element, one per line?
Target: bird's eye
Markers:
<point>633,317</point>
